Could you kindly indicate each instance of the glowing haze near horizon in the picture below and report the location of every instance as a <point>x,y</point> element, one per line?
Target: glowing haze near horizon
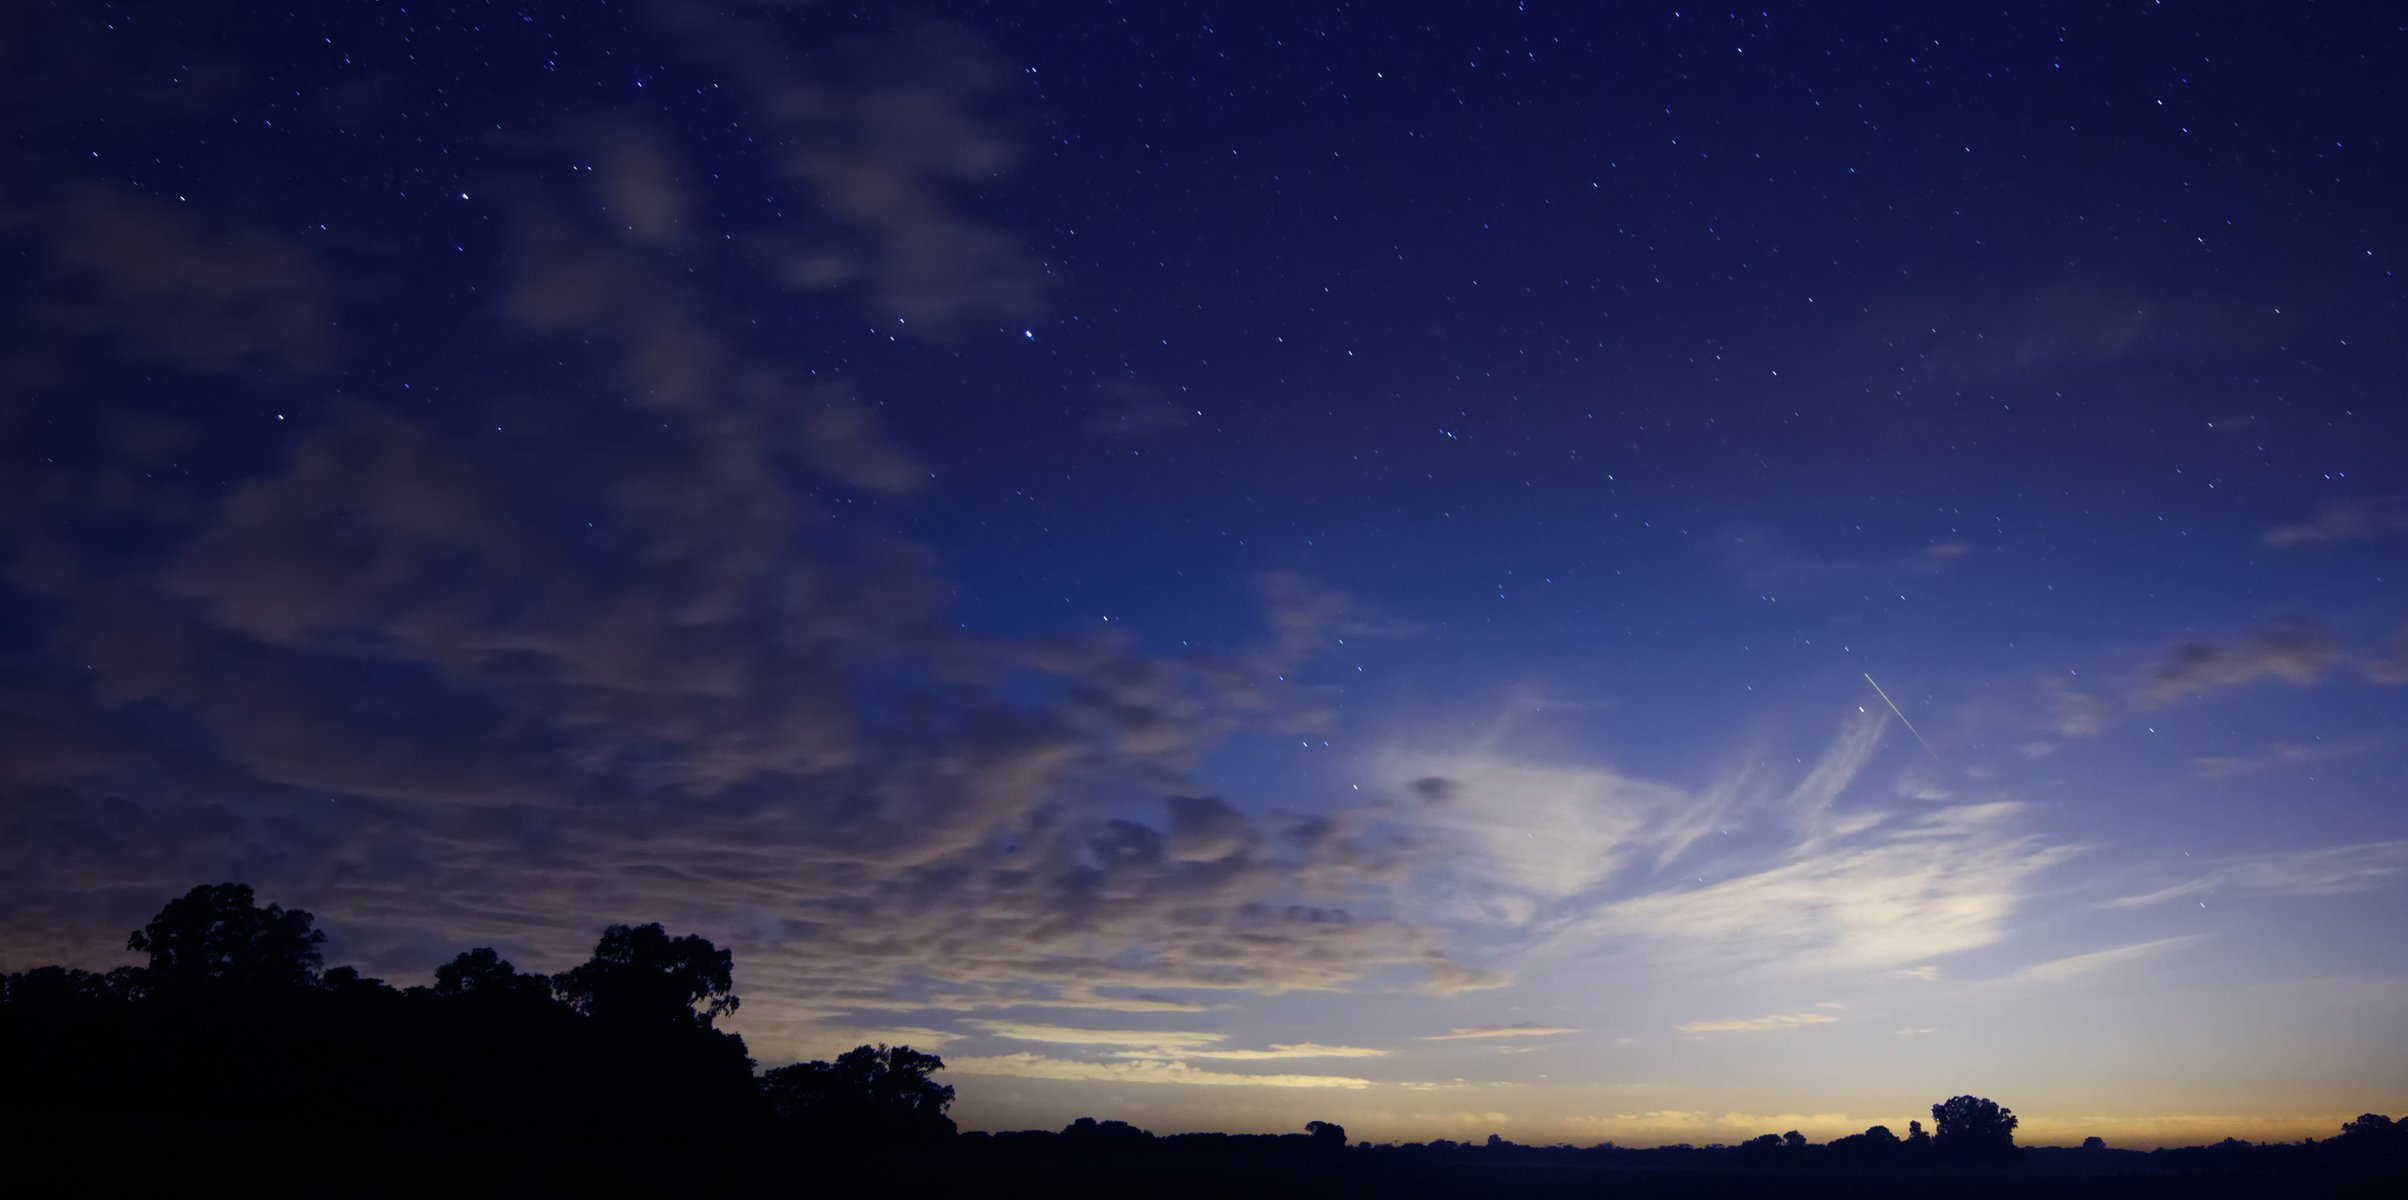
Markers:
<point>1225,566</point>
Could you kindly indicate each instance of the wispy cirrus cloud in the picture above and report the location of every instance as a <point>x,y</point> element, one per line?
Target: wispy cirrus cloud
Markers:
<point>2074,966</point>
<point>1475,1032</point>
<point>1893,891</point>
<point>2326,871</point>
<point>1763,1024</point>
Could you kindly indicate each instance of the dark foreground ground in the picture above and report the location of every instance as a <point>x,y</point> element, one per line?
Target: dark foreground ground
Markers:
<point>48,1158</point>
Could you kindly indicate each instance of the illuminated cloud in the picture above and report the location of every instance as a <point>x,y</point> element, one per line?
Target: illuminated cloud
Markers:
<point>1165,1042</point>
<point>1068,996</point>
<point>1280,1050</point>
<point>1793,1020</point>
<point>1032,1066</point>
<point>2076,965</point>
<point>1498,1031</point>
<point>1900,890</point>
<point>1144,1043</point>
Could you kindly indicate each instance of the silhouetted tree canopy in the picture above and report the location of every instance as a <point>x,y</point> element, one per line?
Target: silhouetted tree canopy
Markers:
<point>485,976</point>
<point>1970,1127</point>
<point>641,977</point>
<point>216,934</point>
<point>878,1094</point>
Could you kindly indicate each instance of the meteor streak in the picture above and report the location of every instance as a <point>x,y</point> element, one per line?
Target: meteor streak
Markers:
<point>1910,725</point>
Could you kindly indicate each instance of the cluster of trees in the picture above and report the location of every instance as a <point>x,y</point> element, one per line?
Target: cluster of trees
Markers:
<point>234,1020</point>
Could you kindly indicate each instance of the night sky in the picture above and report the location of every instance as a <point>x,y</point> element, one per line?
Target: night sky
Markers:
<point>1227,564</point>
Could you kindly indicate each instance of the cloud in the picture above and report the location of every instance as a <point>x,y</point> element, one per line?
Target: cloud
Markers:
<point>2345,521</point>
<point>2073,712</point>
<point>1793,1020</point>
<point>1899,890</point>
<point>1473,1032</point>
<point>2073,325</point>
<point>2327,871</point>
<point>886,137</point>
<point>630,650</point>
<point>1130,409</point>
<point>1145,1043</point>
<point>2282,754</point>
<point>636,172</point>
<point>1163,1041</point>
<point>1032,1066</point>
<point>1926,972</point>
<point>2391,666</point>
<point>1075,996</point>
<point>2293,650</point>
<point>846,443</point>
<point>165,284</point>
<point>1291,1050</point>
<point>2074,966</point>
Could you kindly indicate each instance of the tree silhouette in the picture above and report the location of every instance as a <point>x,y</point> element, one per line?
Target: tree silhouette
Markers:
<point>875,1094</point>
<point>640,977</point>
<point>1328,1136</point>
<point>1970,1127</point>
<point>1091,1133</point>
<point>485,976</point>
<point>216,934</point>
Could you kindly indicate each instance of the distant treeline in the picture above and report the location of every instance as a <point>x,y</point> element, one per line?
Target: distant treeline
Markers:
<point>233,1040</point>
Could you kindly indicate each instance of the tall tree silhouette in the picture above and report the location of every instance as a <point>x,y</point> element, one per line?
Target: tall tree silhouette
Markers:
<point>1971,1127</point>
<point>639,976</point>
<point>215,933</point>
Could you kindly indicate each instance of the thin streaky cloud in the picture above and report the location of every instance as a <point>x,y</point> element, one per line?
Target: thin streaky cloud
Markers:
<point>1036,1066</point>
<point>1170,1041</point>
<point>1277,1050</point>
<point>1498,1031</point>
<point>1763,1024</point>
<point>2327,871</point>
<point>2074,966</point>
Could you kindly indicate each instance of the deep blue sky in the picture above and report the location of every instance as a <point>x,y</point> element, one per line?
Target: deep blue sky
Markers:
<point>1180,553</point>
